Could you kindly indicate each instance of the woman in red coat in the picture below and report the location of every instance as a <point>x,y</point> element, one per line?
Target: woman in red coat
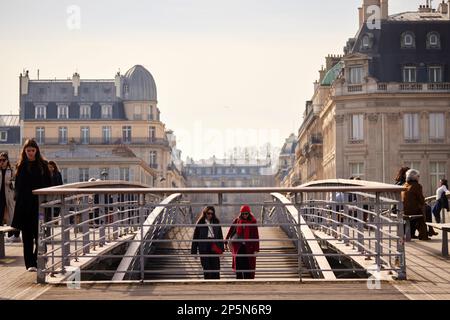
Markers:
<point>244,228</point>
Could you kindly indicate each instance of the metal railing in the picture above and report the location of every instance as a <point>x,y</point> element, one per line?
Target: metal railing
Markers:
<point>114,231</point>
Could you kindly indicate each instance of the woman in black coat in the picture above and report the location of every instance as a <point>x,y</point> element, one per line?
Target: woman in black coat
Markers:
<point>32,173</point>
<point>208,228</point>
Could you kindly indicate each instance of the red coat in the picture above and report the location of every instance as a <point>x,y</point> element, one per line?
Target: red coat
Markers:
<point>247,232</point>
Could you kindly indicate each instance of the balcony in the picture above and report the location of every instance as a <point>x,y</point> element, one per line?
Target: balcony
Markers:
<point>102,141</point>
<point>391,87</point>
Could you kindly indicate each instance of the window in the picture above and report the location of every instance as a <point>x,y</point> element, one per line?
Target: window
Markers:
<point>64,175</point>
<point>411,126</point>
<point>62,135</point>
<point>150,113</point>
<point>137,113</point>
<point>408,40</point>
<point>84,135</point>
<point>433,40</point>
<point>3,136</point>
<point>63,112</point>
<point>124,174</point>
<point>219,170</point>
<point>85,112</point>
<point>106,112</point>
<point>409,74</point>
<point>40,112</point>
<point>435,74</point>
<point>356,75</point>
<point>437,121</point>
<point>151,133</point>
<point>413,165</point>
<point>106,134</point>
<point>152,161</point>
<point>365,42</point>
<point>357,127</point>
<point>437,172</point>
<point>126,134</point>
<point>40,135</point>
<point>357,169</point>
<point>83,174</point>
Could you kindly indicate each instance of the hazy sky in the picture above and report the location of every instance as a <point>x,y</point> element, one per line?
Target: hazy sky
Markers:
<point>229,73</point>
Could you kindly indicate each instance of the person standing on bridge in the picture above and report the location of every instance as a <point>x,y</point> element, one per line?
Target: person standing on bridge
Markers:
<point>7,196</point>
<point>414,203</point>
<point>208,230</point>
<point>32,173</point>
<point>244,238</point>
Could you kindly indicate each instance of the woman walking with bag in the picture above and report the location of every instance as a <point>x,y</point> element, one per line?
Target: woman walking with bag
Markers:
<point>32,173</point>
<point>208,229</point>
<point>244,228</point>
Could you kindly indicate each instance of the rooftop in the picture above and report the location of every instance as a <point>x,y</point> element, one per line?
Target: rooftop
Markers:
<point>9,120</point>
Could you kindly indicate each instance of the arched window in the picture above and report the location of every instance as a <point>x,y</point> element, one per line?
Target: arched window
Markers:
<point>367,41</point>
<point>408,40</point>
<point>433,40</point>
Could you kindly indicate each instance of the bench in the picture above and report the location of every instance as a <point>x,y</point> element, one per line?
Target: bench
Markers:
<point>445,227</point>
<point>4,230</point>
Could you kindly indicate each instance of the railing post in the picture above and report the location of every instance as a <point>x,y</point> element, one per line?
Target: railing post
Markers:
<point>141,249</point>
<point>101,229</point>
<point>300,241</point>
<point>65,234</point>
<point>401,258</point>
<point>360,225</point>
<point>346,226</point>
<point>85,216</point>
<point>378,231</point>
<point>41,274</point>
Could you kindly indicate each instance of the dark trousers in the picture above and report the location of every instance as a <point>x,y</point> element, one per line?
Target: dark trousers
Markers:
<point>242,264</point>
<point>211,266</point>
<point>30,246</point>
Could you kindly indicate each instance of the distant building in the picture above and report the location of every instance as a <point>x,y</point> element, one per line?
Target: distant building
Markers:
<point>229,173</point>
<point>384,104</point>
<point>116,122</point>
<point>285,175</point>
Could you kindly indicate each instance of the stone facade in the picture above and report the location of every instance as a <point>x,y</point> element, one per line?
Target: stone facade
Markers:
<point>104,129</point>
<point>383,105</point>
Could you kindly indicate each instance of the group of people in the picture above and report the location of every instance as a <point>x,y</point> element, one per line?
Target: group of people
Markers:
<point>19,208</point>
<point>414,203</point>
<point>242,240</point>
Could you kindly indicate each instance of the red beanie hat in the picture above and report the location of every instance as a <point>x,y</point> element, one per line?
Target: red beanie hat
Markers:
<point>246,209</point>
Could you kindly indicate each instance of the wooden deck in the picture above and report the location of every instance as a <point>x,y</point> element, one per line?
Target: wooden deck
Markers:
<point>428,278</point>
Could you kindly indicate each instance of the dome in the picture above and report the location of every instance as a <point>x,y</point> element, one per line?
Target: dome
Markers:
<point>332,74</point>
<point>139,85</point>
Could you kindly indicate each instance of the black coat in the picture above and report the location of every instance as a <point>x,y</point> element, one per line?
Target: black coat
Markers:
<point>56,179</point>
<point>29,178</point>
<point>201,233</point>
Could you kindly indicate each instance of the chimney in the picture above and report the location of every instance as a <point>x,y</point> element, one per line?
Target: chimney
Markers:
<point>76,83</point>
<point>384,9</point>
<point>118,84</point>
<point>322,74</point>
<point>361,17</point>
<point>24,80</point>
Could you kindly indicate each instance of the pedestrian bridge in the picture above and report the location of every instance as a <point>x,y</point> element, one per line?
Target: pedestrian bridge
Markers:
<point>120,232</point>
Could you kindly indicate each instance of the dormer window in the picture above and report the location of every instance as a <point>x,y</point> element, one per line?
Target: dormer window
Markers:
<point>40,112</point>
<point>408,40</point>
<point>433,40</point>
<point>356,75</point>
<point>367,41</point>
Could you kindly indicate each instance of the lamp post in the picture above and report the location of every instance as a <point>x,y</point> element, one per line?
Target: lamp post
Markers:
<point>104,175</point>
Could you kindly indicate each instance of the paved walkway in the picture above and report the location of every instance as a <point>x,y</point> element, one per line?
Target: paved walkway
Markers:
<point>428,278</point>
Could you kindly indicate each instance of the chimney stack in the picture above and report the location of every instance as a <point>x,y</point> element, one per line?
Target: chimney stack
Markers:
<point>118,84</point>
<point>361,16</point>
<point>384,9</point>
<point>76,83</point>
<point>24,80</point>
